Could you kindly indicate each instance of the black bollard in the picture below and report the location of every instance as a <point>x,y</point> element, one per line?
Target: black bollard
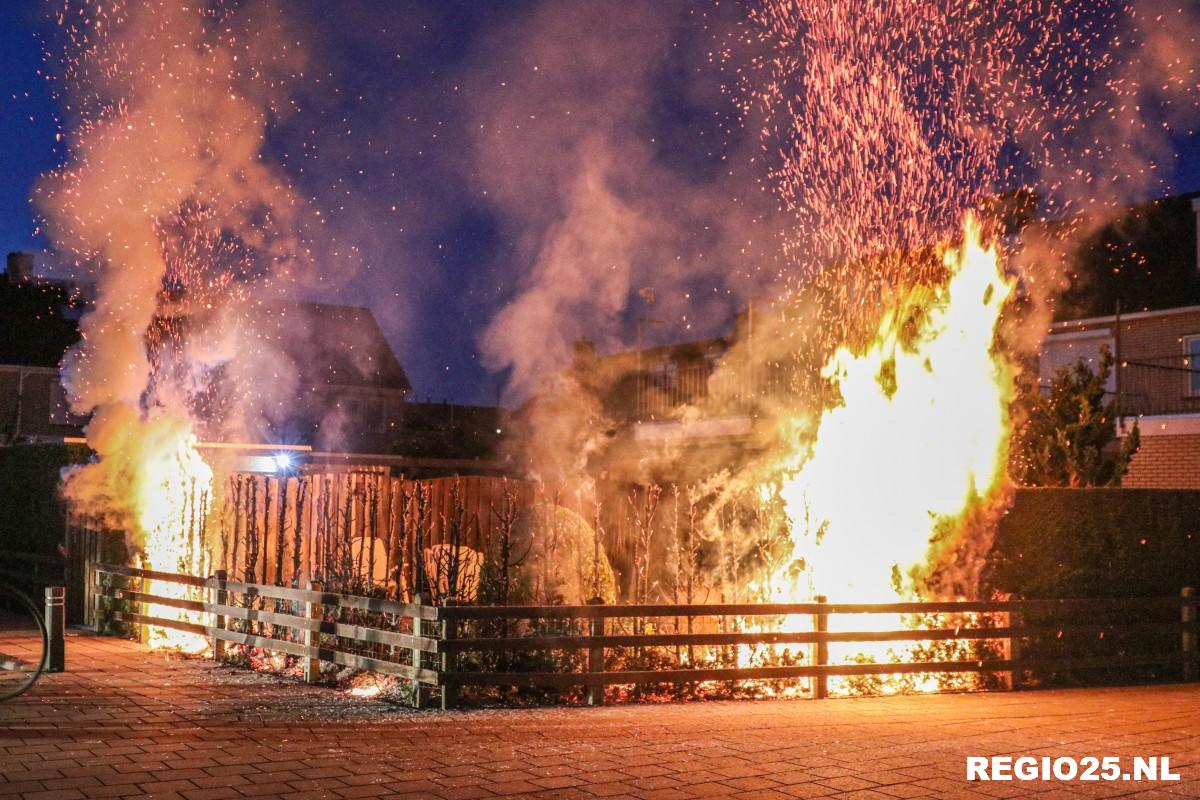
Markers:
<point>56,624</point>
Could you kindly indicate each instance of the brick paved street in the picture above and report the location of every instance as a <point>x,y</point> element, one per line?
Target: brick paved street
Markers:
<point>127,723</point>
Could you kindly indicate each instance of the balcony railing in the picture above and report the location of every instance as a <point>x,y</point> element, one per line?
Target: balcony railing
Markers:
<point>715,389</point>
<point>1164,384</point>
<point>1159,384</point>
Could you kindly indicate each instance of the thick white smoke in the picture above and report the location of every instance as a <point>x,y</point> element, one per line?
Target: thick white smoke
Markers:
<point>167,106</point>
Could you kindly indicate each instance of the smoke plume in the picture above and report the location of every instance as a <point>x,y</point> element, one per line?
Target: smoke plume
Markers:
<point>167,106</point>
<point>574,148</point>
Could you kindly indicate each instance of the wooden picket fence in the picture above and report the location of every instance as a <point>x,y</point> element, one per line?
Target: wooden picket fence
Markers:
<point>425,644</point>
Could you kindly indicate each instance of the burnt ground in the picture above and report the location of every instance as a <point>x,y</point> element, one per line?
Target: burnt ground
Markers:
<point>125,722</point>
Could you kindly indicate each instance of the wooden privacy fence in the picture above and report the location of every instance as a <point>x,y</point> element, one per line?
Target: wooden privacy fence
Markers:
<point>352,527</point>
<point>391,638</point>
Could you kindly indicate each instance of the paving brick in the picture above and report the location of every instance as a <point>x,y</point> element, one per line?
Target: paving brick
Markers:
<point>126,723</point>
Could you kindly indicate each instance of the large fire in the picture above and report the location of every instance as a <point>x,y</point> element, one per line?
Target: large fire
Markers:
<point>172,494</point>
<point>920,435</point>
<point>165,199</point>
<point>918,440</point>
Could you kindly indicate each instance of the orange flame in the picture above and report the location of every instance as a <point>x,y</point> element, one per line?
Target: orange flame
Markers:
<point>919,438</point>
<point>172,495</point>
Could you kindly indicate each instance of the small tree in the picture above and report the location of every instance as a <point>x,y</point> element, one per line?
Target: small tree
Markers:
<point>1069,437</point>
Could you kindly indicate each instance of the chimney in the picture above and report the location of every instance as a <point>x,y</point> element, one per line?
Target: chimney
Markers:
<point>19,268</point>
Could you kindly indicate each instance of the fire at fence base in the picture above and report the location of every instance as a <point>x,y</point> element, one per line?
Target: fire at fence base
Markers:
<point>783,528</point>
<point>600,652</point>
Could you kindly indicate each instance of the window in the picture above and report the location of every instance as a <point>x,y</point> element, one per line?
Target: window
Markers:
<point>351,409</point>
<point>1066,349</point>
<point>1191,363</point>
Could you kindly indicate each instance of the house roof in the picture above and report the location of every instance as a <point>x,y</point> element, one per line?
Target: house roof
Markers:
<point>338,345</point>
<point>33,330</point>
<point>1146,259</point>
<point>331,344</point>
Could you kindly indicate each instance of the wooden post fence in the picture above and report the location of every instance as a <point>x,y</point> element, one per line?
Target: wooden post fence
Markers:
<point>1016,676</point>
<point>314,610</point>
<point>220,621</point>
<point>820,682</point>
<point>595,661</point>
<point>420,690</point>
<point>448,661</point>
<point>373,638</point>
<point>1187,613</point>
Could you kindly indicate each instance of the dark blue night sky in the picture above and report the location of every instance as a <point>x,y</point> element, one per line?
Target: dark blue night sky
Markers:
<point>430,222</point>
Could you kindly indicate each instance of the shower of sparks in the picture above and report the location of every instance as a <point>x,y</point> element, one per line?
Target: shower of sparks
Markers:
<point>886,120</point>
<point>887,123</point>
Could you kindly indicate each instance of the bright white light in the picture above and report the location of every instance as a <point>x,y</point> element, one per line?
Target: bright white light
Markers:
<point>283,461</point>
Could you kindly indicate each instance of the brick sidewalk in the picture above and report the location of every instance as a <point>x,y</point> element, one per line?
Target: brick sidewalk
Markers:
<point>124,722</point>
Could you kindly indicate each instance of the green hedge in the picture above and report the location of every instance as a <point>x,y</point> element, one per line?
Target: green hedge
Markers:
<point>1098,543</point>
<point>32,513</point>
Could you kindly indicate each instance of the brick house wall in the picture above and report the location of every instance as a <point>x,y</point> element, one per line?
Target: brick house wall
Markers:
<point>1168,411</point>
<point>1158,333</point>
<point>1147,334</point>
<point>1151,346</point>
<point>1165,462</point>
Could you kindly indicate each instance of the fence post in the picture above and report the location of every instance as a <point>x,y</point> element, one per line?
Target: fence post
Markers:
<point>820,684</point>
<point>99,593</point>
<point>56,623</point>
<point>90,617</point>
<point>448,661</point>
<point>420,690</point>
<point>219,621</point>
<point>1188,637</point>
<point>1016,674</point>
<point>312,639</point>
<point>143,628</point>
<point>89,595</point>
<point>595,662</point>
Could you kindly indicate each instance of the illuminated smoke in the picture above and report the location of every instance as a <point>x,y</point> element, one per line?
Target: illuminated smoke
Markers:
<point>570,147</point>
<point>165,195</point>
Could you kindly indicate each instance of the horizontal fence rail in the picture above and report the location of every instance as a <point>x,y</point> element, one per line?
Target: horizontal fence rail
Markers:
<point>789,609</point>
<point>296,623</point>
<point>313,625</point>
